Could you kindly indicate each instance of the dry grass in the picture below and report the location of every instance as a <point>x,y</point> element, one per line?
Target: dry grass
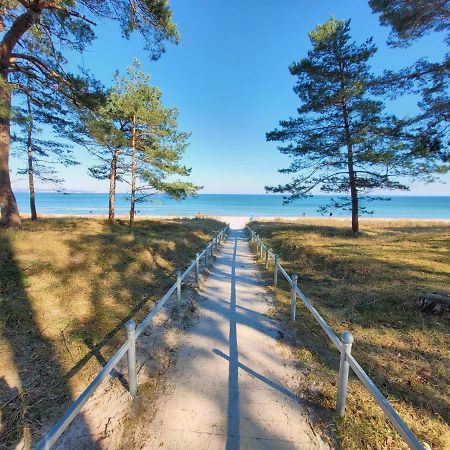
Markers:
<point>66,288</point>
<point>368,284</point>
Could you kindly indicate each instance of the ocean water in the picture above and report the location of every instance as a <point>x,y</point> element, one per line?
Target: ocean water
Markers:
<point>230,205</point>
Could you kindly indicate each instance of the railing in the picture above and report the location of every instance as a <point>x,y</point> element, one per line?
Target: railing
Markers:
<point>129,346</point>
<point>344,346</point>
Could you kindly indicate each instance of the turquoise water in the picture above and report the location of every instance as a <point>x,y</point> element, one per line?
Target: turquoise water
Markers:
<point>231,205</point>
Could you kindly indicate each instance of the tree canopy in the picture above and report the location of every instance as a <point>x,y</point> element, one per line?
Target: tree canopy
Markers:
<point>342,141</point>
<point>410,20</point>
<point>141,139</point>
<point>35,36</point>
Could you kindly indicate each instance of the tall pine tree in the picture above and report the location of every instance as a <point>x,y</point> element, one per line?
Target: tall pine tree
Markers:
<point>340,141</point>
<point>142,139</point>
<point>40,107</point>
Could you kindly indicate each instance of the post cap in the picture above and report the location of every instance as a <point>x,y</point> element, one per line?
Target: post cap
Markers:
<point>178,273</point>
<point>130,326</point>
<point>294,277</point>
<point>347,337</point>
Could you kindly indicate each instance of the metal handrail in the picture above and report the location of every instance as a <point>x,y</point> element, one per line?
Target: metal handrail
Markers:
<point>133,333</point>
<point>347,359</point>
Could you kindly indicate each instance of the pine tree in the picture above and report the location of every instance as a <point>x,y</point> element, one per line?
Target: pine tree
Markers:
<point>341,141</point>
<point>39,32</point>
<point>409,21</point>
<point>143,140</point>
<point>108,140</point>
<point>40,107</point>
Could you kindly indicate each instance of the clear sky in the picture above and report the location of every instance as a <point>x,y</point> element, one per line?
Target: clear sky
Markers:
<point>229,77</point>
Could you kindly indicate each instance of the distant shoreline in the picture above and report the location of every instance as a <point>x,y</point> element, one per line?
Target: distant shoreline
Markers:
<point>240,221</point>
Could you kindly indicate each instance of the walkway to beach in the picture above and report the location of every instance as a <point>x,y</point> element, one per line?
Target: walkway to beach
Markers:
<point>233,384</point>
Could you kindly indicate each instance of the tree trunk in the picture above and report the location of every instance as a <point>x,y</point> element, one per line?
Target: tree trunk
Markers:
<point>133,172</point>
<point>351,173</point>
<point>10,216</point>
<point>112,185</point>
<point>30,162</point>
<point>9,211</point>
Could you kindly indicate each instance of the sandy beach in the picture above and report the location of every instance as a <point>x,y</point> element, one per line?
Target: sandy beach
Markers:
<point>238,222</point>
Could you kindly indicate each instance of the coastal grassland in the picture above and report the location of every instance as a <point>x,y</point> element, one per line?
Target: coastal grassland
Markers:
<point>67,286</point>
<point>368,284</point>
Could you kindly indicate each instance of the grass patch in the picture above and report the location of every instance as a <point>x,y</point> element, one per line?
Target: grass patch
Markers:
<point>368,284</point>
<point>66,288</point>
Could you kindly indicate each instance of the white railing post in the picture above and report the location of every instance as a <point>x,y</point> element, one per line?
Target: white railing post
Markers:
<point>197,268</point>
<point>293,297</point>
<point>275,270</point>
<point>267,258</point>
<point>178,291</point>
<point>130,326</point>
<point>206,257</point>
<point>261,250</point>
<point>346,350</point>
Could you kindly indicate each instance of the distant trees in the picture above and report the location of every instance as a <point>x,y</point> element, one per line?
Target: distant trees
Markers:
<point>342,141</point>
<point>141,138</point>
<point>35,35</point>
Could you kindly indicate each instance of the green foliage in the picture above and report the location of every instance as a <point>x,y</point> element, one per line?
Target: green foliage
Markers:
<point>39,108</point>
<point>341,134</point>
<point>159,146</point>
<point>409,21</point>
<point>38,36</point>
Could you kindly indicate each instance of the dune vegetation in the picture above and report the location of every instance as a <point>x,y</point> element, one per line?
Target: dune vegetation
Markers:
<point>368,284</point>
<point>67,286</point>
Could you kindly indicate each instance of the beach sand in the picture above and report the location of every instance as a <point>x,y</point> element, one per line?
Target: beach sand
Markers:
<point>239,222</point>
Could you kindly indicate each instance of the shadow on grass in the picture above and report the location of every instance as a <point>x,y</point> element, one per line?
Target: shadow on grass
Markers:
<point>368,284</point>
<point>112,274</point>
<point>43,389</point>
<point>134,268</point>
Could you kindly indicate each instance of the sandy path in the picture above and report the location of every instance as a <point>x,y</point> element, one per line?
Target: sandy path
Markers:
<point>232,385</point>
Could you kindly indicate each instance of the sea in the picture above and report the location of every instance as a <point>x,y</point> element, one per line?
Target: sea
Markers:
<point>78,203</point>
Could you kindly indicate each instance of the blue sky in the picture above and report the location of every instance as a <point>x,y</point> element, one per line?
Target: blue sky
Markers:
<point>229,77</point>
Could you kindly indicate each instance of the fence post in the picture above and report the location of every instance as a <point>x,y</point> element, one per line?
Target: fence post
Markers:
<point>197,268</point>
<point>178,290</point>
<point>206,257</point>
<point>275,270</point>
<point>267,258</point>
<point>261,250</point>
<point>346,350</point>
<point>293,297</point>
<point>130,326</point>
